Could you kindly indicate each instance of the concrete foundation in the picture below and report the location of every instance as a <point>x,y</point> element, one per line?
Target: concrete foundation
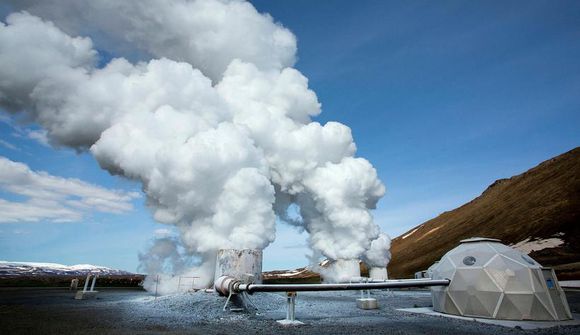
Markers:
<point>521,324</point>
<point>290,322</point>
<point>367,303</point>
<point>82,295</point>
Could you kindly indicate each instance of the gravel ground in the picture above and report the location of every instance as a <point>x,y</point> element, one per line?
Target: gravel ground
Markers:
<point>118,311</point>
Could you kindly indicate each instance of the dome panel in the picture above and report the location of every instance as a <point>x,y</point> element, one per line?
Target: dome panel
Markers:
<point>473,279</point>
<point>480,253</point>
<point>485,302</point>
<point>474,292</point>
<point>508,310</point>
<point>445,269</point>
<point>538,281</point>
<point>442,302</point>
<point>496,269</point>
<point>518,306</point>
<point>509,275</point>
<point>541,311</point>
<point>516,255</point>
<point>521,281</point>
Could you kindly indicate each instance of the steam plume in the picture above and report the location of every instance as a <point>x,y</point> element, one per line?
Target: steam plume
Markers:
<point>216,124</point>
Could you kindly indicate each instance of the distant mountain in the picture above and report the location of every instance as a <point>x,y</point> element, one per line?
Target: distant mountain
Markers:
<point>537,212</point>
<point>29,269</point>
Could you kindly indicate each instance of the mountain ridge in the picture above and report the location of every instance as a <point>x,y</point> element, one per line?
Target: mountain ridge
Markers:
<point>16,269</point>
<point>538,210</point>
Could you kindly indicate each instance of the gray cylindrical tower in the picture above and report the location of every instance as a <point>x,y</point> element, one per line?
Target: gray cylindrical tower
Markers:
<point>242,264</point>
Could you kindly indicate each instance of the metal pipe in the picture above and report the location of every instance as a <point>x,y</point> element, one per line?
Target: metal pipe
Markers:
<point>93,284</point>
<point>87,282</point>
<point>237,286</point>
<point>370,280</point>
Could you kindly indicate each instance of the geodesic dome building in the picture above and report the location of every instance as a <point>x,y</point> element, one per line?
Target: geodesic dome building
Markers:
<point>492,280</point>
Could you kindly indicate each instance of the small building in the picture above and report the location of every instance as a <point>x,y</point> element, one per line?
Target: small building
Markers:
<point>492,280</point>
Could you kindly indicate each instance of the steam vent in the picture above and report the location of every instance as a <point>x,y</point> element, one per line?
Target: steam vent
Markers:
<point>492,280</point>
<point>378,273</point>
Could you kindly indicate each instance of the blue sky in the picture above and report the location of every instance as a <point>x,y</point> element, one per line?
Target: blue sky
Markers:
<point>442,97</point>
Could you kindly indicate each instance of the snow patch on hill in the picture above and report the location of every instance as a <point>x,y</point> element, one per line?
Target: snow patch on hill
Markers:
<point>409,234</point>
<point>528,245</point>
<point>13,269</point>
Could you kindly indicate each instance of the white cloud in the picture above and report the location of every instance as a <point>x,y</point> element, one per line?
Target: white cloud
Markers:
<point>54,198</point>
<point>8,145</point>
<point>38,136</point>
<point>162,232</point>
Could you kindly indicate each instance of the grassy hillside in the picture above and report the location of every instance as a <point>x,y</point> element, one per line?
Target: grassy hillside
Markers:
<point>541,203</point>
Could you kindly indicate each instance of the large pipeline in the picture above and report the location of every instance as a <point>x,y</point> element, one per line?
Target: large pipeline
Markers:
<point>227,285</point>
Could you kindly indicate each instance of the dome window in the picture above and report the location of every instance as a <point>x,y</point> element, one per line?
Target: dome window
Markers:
<point>469,260</point>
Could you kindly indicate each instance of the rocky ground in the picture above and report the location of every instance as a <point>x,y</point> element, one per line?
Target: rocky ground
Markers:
<point>122,311</point>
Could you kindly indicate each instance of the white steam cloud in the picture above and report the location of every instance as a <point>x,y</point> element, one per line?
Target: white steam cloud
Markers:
<point>217,126</point>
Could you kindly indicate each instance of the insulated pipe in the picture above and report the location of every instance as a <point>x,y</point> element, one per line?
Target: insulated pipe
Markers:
<point>225,284</point>
<point>228,284</point>
<point>251,288</point>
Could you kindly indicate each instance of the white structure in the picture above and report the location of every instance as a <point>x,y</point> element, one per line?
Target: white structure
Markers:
<point>74,284</point>
<point>378,273</point>
<point>85,293</point>
<point>492,280</point>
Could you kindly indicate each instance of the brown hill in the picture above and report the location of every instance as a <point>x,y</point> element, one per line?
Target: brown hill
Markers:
<point>302,275</point>
<point>539,208</point>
